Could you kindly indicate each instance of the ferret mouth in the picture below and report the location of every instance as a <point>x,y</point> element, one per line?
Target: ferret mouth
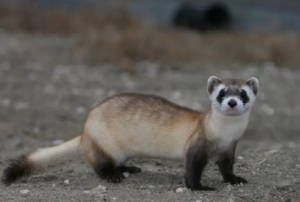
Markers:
<point>232,112</point>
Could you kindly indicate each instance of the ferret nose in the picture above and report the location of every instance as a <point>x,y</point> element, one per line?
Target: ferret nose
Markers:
<point>232,103</point>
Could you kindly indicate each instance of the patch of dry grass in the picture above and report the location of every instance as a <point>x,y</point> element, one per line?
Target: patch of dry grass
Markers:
<point>115,35</point>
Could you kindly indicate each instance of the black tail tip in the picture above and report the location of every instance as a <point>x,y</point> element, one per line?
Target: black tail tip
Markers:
<point>17,168</point>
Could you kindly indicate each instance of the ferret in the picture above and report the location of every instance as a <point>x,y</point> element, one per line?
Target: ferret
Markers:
<point>134,125</point>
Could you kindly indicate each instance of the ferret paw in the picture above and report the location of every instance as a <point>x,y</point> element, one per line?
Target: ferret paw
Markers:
<point>236,180</point>
<point>115,177</point>
<point>129,169</point>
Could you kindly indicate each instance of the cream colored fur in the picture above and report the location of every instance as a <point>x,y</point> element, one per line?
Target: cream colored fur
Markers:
<point>43,156</point>
<point>224,130</point>
<point>140,135</point>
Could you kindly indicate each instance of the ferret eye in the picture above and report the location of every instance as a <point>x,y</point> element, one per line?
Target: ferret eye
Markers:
<point>222,93</point>
<point>243,94</point>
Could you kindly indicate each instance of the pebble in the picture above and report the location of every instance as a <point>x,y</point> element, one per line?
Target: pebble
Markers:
<point>24,191</point>
<point>126,174</point>
<point>179,190</point>
<point>198,201</point>
<point>100,187</point>
<point>67,181</point>
<point>240,158</point>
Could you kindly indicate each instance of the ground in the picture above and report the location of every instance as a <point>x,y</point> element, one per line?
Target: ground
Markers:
<point>45,97</point>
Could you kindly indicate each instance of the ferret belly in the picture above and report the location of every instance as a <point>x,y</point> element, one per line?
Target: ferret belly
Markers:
<point>145,140</point>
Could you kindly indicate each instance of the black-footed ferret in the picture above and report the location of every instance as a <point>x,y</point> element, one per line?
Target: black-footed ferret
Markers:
<point>137,125</point>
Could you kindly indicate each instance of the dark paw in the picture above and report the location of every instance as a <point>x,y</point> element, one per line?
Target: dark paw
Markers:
<point>116,177</point>
<point>236,180</point>
<point>130,169</point>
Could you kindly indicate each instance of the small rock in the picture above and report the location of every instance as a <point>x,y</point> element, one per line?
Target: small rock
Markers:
<point>57,142</point>
<point>240,158</point>
<point>24,191</point>
<point>151,186</point>
<point>298,166</point>
<point>126,174</point>
<point>86,192</point>
<point>67,181</point>
<point>114,198</point>
<point>179,190</point>
<point>100,187</point>
<point>198,201</point>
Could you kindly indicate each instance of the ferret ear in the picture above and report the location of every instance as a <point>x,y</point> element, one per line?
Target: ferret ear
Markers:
<point>253,83</point>
<point>212,82</point>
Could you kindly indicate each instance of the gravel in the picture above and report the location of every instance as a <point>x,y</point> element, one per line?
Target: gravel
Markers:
<point>44,100</point>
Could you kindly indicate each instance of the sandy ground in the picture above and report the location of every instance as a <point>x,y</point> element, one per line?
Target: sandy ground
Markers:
<point>44,99</point>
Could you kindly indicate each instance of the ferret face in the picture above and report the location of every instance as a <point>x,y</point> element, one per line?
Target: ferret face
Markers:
<point>232,97</point>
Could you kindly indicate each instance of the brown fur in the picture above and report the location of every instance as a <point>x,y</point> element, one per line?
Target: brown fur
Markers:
<point>233,82</point>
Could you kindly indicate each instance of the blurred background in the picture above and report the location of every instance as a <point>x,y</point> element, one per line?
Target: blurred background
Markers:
<point>59,58</point>
<point>170,32</point>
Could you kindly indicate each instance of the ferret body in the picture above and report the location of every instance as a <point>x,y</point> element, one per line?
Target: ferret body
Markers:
<point>131,125</point>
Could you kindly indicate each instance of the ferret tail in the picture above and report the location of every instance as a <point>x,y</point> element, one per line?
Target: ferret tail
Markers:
<point>25,165</point>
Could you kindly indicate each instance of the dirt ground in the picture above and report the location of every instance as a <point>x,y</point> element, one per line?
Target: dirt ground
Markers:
<point>45,97</point>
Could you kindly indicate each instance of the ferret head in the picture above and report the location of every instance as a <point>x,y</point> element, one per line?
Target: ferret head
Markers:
<point>232,97</point>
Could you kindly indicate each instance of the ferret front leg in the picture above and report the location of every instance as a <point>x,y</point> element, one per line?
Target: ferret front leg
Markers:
<point>195,162</point>
<point>225,164</point>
